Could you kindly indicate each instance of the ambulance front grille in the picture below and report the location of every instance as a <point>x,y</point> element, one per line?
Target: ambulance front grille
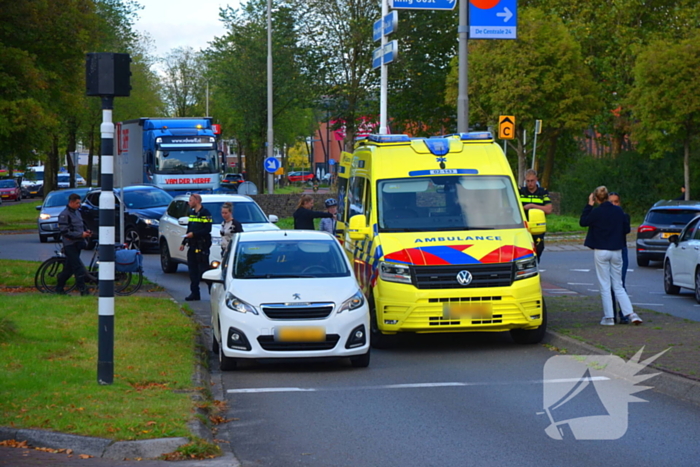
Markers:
<point>445,277</point>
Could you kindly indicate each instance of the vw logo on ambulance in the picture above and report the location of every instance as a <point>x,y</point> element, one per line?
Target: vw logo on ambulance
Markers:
<point>464,277</point>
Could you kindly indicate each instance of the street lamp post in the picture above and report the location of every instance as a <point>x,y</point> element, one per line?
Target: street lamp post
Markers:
<point>270,134</point>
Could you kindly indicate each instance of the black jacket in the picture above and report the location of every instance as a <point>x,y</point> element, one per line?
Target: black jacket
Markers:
<point>304,218</point>
<point>71,224</point>
<point>200,225</point>
<point>607,226</point>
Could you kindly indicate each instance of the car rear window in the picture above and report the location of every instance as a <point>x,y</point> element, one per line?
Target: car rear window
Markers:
<point>678,217</point>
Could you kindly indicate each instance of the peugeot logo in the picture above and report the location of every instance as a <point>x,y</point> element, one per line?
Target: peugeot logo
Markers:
<point>297,296</point>
<point>464,277</point>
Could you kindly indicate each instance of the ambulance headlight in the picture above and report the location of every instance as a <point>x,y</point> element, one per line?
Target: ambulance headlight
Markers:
<point>525,268</point>
<point>393,272</point>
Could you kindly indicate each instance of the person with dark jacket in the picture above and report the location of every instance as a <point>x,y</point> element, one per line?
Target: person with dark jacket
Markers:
<point>198,239</point>
<point>73,235</point>
<point>304,216</point>
<point>533,196</point>
<point>607,227</point>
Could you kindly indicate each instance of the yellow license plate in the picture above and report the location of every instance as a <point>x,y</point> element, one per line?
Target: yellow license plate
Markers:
<point>467,310</point>
<point>300,334</point>
<point>668,234</point>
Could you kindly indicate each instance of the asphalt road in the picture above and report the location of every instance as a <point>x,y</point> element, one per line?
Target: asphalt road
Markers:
<point>475,399</point>
<point>575,271</point>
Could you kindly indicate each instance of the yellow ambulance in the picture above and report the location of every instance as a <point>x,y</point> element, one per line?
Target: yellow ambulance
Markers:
<point>439,240</point>
<point>342,184</point>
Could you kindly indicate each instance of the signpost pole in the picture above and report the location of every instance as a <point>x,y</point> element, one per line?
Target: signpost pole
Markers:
<point>384,80</point>
<point>270,133</point>
<point>463,85</point>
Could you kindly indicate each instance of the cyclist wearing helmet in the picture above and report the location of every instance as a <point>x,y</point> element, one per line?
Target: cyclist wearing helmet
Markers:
<point>328,223</point>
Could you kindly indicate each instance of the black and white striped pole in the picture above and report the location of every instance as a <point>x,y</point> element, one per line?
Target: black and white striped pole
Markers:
<point>107,76</point>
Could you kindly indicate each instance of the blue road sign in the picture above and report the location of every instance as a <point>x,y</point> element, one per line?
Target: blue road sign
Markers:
<point>272,165</point>
<point>377,58</point>
<point>377,30</point>
<point>391,51</point>
<point>500,21</point>
<point>423,4</point>
<point>391,21</point>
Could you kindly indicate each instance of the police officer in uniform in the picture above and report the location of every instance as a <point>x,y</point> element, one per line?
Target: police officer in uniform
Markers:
<point>533,196</point>
<point>198,239</point>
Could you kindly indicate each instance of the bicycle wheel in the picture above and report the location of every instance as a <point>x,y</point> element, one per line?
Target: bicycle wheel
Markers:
<point>127,283</point>
<point>46,277</point>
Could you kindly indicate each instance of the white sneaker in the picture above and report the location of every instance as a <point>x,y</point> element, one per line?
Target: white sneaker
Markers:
<point>607,322</point>
<point>634,318</point>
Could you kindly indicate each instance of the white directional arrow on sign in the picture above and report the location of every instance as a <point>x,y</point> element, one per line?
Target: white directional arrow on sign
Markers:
<point>271,165</point>
<point>506,14</point>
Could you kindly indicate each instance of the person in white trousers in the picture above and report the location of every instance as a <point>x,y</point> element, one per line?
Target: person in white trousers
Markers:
<point>607,227</point>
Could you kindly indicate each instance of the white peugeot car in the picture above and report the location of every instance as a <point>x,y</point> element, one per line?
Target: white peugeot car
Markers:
<point>287,294</point>
<point>173,225</point>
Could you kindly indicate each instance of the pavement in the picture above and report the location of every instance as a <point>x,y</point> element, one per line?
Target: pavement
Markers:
<point>572,329</point>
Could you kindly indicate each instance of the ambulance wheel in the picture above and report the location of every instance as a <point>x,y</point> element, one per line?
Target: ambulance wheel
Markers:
<point>531,336</point>
<point>376,338</point>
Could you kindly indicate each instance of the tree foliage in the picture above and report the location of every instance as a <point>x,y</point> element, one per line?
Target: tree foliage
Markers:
<point>539,76</point>
<point>238,70</point>
<point>184,82</point>
<point>665,99</point>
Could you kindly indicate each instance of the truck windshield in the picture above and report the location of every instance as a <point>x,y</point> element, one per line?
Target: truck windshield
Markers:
<point>176,161</point>
<point>446,203</point>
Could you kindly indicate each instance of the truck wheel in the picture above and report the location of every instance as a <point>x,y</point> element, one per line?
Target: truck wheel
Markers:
<point>166,261</point>
<point>531,336</point>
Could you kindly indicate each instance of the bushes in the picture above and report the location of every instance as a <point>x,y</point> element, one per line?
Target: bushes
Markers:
<point>640,181</point>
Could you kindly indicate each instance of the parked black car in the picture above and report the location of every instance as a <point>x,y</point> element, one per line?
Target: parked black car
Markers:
<point>54,203</point>
<point>231,181</point>
<point>143,207</point>
<point>664,219</point>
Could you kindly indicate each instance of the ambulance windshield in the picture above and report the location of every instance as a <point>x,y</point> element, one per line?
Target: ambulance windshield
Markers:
<point>447,203</point>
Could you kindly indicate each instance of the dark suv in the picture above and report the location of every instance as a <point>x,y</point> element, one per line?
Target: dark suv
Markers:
<point>231,181</point>
<point>664,219</point>
<point>143,207</point>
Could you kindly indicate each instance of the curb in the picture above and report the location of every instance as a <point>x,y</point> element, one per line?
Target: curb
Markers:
<point>669,384</point>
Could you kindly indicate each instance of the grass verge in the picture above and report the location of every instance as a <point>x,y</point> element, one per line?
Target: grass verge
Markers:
<point>579,317</point>
<point>19,216</point>
<point>50,358</point>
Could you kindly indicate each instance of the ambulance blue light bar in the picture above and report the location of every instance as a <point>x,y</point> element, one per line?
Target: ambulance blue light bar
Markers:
<point>389,138</point>
<point>475,136</point>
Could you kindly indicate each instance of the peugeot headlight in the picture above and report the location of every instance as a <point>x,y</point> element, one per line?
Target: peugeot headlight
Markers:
<point>525,268</point>
<point>352,303</point>
<point>153,222</point>
<point>393,272</point>
<point>236,304</point>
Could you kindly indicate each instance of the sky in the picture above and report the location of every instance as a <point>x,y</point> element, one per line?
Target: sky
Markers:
<point>181,23</point>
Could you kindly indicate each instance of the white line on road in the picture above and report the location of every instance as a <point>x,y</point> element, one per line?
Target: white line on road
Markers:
<point>647,304</point>
<point>570,292</point>
<point>411,386</point>
<point>580,270</point>
<point>578,283</point>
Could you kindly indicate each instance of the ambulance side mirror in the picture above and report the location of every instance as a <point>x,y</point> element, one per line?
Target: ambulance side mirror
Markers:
<point>358,230</point>
<point>536,224</point>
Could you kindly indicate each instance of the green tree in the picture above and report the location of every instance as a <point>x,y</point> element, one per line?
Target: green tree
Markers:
<point>238,72</point>
<point>338,37</point>
<point>184,83</point>
<point>665,99</point>
<point>539,76</point>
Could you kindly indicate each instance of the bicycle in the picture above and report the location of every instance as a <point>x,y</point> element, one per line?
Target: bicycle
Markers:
<point>46,277</point>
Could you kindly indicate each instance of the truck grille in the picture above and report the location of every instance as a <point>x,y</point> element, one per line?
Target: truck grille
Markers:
<point>301,311</point>
<point>269,343</point>
<point>445,277</point>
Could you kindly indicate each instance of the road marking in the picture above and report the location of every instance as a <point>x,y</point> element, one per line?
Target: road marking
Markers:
<point>571,292</point>
<point>647,304</point>
<point>448,384</point>
<point>580,270</point>
<point>578,283</point>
